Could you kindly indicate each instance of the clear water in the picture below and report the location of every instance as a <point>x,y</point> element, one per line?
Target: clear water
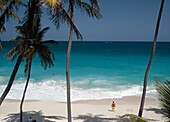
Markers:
<point>98,70</point>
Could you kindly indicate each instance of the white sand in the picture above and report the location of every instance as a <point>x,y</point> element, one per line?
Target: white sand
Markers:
<point>82,111</point>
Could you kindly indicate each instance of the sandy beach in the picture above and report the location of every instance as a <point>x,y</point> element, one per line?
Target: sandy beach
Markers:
<point>82,111</point>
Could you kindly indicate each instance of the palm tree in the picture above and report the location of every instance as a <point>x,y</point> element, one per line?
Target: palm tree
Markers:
<point>163,90</point>
<point>150,60</point>
<point>92,11</point>
<point>57,16</point>
<point>35,42</point>
<point>20,49</point>
<point>16,51</point>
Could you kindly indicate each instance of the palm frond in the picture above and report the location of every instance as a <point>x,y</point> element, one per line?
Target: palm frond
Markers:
<point>163,90</point>
<point>2,28</point>
<point>2,21</point>
<point>7,8</point>
<point>89,10</point>
<point>12,54</point>
<point>9,53</point>
<point>12,13</point>
<point>29,55</point>
<point>42,32</point>
<point>49,42</point>
<point>60,16</point>
<point>32,15</point>
<point>52,3</point>
<point>95,4</point>
<point>46,56</point>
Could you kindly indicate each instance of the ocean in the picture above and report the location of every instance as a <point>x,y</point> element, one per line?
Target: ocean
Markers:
<point>98,70</point>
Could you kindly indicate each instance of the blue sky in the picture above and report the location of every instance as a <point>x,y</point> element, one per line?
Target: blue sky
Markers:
<point>123,20</point>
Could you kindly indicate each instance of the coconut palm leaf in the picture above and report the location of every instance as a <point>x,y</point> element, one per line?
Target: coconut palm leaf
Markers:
<point>88,9</point>
<point>32,15</point>
<point>41,33</point>
<point>7,8</point>
<point>49,42</point>
<point>59,16</point>
<point>95,4</point>
<point>52,4</point>
<point>163,90</point>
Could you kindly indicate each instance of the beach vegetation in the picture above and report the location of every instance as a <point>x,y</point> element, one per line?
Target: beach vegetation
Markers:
<point>132,118</point>
<point>150,60</point>
<point>163,89</point>
<point>92,10</point>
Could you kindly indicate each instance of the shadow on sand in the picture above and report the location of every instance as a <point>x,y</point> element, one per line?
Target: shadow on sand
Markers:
<point>95,118</point>
<point>156,110</point>
<point>89,117</point>
<point>38,116</point>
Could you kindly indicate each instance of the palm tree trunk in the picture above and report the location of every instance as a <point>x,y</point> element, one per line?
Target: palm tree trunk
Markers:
<point>26,85</point>
<point>68,63</point>
<point>7,89</point>
<point>150,60</point>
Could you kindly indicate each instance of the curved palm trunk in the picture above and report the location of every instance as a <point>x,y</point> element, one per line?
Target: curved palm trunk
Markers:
<point>26,85</point>
<point>68,63</point>
<point>7,89</point>
<point>150,61</point>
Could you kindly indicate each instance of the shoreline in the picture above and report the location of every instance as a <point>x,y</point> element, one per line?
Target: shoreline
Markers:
<point>82,110</point>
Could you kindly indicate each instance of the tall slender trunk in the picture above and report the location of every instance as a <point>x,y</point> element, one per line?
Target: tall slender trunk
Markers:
<point>7,89</point>
<point>68,63</point>
<point>150,60</point>
<point>26,85</point>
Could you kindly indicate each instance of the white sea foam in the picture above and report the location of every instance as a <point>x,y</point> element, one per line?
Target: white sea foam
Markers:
<point>51,90</point>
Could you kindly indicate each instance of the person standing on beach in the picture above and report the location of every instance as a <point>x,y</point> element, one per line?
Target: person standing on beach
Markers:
<point>113,106</point>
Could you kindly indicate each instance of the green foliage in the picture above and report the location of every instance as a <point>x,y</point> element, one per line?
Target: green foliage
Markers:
<point>0,45</point>
<point>7,10</point>
<point>132,118</point>
<point>30,39</point>
<point>163,90</point>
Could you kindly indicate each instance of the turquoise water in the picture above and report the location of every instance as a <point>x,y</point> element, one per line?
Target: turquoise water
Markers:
<point>98,70</point>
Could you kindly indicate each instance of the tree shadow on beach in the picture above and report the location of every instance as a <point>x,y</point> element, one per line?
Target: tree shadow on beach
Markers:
<point>156,110</point>
<point>95,118</point>
<point>38,116</point>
